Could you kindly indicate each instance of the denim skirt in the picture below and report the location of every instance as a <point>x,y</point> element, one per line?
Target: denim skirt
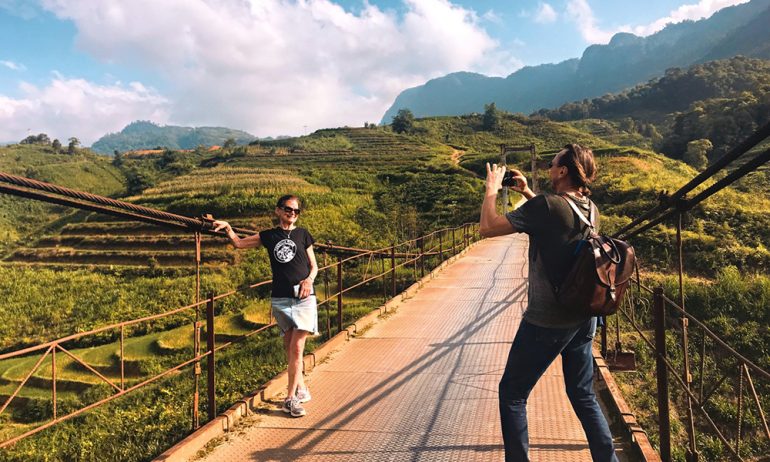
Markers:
<point>296,313</point>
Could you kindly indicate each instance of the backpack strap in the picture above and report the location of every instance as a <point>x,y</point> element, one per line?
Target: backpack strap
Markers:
<point>588,221</point>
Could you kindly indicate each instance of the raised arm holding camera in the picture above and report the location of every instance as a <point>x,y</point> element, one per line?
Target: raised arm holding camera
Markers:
<point>548,328</point>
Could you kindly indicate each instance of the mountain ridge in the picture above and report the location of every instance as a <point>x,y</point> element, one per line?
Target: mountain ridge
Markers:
<point>625,61</point>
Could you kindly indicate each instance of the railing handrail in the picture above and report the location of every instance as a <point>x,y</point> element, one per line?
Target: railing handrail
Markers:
<point>172,312</point>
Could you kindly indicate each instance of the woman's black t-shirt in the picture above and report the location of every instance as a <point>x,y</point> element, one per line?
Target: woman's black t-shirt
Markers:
<point>288,257</point>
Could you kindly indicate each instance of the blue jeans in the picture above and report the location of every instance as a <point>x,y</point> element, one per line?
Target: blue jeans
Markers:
<point>533,350</point>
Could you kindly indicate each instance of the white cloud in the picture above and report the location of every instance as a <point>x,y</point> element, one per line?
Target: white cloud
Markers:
<point>545,14</point>
<point>75,107</point>
<point>13,66</point>
<point>580,12</point>
<point>273,66</point>
<point>700,10</point>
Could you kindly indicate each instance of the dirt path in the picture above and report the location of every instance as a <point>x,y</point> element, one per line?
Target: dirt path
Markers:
<point>456,155</point>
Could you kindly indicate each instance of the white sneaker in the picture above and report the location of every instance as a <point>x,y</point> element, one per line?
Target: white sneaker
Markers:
<point>292,406</point>
<point>303,395</point>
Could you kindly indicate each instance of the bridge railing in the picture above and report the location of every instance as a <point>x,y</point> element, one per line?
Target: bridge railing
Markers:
<point>343,270</point>
<point>728,396</point>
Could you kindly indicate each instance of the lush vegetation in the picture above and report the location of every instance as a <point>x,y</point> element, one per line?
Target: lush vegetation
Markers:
<point>735,307</point>
<point>720,101</point>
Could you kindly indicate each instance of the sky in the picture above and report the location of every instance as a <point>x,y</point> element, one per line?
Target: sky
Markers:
<point>85,68</point>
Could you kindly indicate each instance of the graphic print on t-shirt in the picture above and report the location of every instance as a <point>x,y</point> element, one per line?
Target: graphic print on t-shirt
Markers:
<point>285,250</point>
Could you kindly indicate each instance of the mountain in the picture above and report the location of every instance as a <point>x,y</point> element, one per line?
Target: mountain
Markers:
<point>624,62</point>
<point>147,135</point>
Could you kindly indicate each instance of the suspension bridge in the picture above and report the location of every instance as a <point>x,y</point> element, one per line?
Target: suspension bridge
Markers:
<point>420,383</point>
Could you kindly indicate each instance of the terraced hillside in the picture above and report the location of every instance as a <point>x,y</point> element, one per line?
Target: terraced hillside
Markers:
<point>22,219</point>
<point>143,356</point>
<point>241,188</point>
<point>363,187</point>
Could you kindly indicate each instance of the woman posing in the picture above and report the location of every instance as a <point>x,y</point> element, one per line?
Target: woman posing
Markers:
<point>293,300</point>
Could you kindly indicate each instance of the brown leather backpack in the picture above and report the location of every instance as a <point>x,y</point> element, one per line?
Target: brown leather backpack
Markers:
<point>600,273</point>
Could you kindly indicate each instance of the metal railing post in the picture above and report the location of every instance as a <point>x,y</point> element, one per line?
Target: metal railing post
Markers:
<point>53,380</point>
<point>692,450</point>
<point>384,278</point>
<point>210,358</point>
<point>393,269</point>
<point>739,433</point>
<point>339,293</point>
<point>664,422</point>
<point>604,337</point>
<point>326,296</point>
<point>122,357</point>
<point>422,257</point>
<point>196,371</point>
<point>197,336</point>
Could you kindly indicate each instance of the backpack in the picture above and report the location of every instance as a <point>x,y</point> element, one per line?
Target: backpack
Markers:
<point>600,273</point>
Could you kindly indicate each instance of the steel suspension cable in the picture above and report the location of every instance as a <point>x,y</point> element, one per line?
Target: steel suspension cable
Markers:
<point>675,202</point>
<point>197,224</point>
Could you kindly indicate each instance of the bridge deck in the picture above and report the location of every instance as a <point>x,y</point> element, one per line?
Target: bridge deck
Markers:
<point>422,385</point>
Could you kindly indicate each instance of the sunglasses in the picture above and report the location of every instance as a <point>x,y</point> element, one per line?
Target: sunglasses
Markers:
<point>288,209</point>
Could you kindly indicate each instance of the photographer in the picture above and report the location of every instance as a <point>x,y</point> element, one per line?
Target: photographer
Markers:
<point>548,329</point>
<point>293,300</point>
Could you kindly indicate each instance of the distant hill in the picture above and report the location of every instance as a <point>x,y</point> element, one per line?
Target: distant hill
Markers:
<point>626,61</point>
<point>147,135</point>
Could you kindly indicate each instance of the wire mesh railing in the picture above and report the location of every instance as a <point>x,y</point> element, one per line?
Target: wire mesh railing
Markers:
<point>720,393</point>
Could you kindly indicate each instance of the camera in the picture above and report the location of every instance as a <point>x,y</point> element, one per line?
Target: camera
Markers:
<point>508,179</point>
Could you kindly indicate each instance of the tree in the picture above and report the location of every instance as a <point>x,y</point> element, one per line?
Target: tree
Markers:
<point>229,143</point>
<point>72,147</point>
<point>117,160</point>
<point>491,119</point>
<point>697,153</point>
<point>403,121</point>
<point>56,145</point>
<point>41,138</point>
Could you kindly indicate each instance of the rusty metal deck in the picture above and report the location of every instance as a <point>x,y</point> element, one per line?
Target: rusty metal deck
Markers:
<point>422,385</point>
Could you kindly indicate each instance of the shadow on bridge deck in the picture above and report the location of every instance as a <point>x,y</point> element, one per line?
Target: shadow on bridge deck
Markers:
<point>423,384</point>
